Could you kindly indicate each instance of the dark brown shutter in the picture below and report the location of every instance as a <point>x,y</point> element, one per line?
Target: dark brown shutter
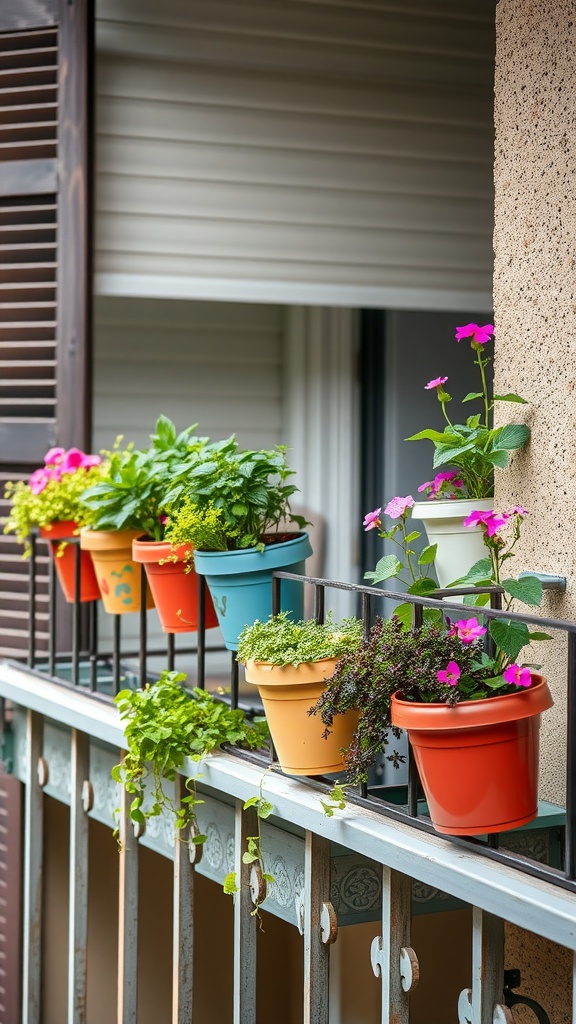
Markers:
<point>45,260</point>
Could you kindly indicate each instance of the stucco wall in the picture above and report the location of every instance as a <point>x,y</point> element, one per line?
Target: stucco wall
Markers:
<point>534,299</point>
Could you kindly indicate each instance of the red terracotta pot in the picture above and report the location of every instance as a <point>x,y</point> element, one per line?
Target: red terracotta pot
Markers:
<point>478,760</point>
<point>175,591</point>
<point>65,562</point>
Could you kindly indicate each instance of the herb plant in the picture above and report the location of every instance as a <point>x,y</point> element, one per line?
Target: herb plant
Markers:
<point>53,493</point>
<point>474,448</point>
<point>164,725</point>
<point>282,642</point>
<point>131,495</point>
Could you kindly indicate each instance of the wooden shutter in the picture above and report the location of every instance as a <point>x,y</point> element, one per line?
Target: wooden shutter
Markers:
<point>45,197</point>
<point>10,897</point>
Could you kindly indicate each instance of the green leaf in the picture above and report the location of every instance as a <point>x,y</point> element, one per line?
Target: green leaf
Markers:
<point>412,536</point>
<point>498,458</point>
<point>265,809</point>
<point>423,587</point>
<point>495,682</point>
<point>403,612</point>
<point>445,453</point>
<point>428,554</point>
<point>472,395</point>
<point>509,636</point>
<point>527,589</point>
<point>229,885</point>
<point>481,572</point>
<point>249,858</point>
<point>435,436</point>
<point>199,839</point>
<point>510,437</point>
<point>386,568</point>
<point>510,397</point>
<point>539,636</point>
<point>251,802</point>
<point>268,878</point>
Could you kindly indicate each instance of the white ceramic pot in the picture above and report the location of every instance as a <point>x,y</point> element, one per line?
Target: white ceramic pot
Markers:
<point>459,546</point>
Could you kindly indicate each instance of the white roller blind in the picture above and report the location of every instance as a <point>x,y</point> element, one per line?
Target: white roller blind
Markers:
<point>323,144</point>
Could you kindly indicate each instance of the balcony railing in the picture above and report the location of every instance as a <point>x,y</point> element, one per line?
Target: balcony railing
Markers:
<point>71,678</point>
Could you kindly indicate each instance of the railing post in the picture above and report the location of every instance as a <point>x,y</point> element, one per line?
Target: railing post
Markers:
<point>316,951</point>
<point>392,956</point>
<point>484,1002</point>
<point>183,920</point>
<point>76,618</point>
<point>201,635</point>
<point>143,653</point>
<point>32,603</point>
<point>127,915</point>
<point>33,844</point>
<point>78,898</point>
<point>246,824</point>
<point>570,865</point>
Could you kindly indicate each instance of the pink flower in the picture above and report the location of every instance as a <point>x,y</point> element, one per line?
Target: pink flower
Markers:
<point>518,675</point>
<point>38,481</point>
<point>372,520</point>
<point>397,507</point>
<point>53,456</point>
<point>90,460</point>
<point>468,630</point>
<point>492,521</point>
<point>163,519</point>
<point>518,511</point>
<point>450,675</point>
<point>437,485</point>
<point>72,460</point>
<point>436,383</point>
<point>478,335</point>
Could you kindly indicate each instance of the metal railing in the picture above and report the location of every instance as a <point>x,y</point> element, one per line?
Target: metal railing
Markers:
<point>86,660</point>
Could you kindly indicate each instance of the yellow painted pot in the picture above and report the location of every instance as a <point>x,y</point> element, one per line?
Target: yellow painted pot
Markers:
<point>119,578</point>
<point>287,693</point>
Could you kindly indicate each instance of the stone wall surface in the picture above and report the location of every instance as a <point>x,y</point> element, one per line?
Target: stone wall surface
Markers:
<point>535,319</point>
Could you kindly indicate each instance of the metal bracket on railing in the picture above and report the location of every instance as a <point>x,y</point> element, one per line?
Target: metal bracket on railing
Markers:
<point>408,966</point>
<point>501,1013</point>
<point>512,980</point>
<point>548,581</point>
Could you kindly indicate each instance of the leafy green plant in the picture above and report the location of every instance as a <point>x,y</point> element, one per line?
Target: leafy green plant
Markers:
<point>253,853</point>
<point>249,490</point>
<point>52,493</point>
<point>279,641</point>
<point>165,724</point>
<point>131,495</point>
<point>475,447</point>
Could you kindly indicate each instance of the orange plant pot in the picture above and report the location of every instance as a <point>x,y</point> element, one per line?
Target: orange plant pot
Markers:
<point>288,692</point>
<point>175,590</point>
<point>119,578</point>
<point>478,760</point>
<point>65,562</point>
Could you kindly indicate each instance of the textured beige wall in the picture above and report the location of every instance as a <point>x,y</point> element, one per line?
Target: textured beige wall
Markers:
<point>535,318</point>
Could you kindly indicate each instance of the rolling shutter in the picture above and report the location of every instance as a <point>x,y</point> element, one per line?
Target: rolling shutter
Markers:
<point>45,253</point>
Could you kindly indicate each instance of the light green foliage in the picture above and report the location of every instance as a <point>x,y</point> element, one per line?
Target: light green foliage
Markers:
<point>60,501</point>
<point>336,799</point>
<point>132,493</point>
<point>282,642</point>
<point>203,528</point>
<point>165,724</point>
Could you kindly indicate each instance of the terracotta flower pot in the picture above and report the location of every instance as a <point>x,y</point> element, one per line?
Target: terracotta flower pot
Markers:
<point>459,546</point>
<point>478,760</point>
<point>65,562</point>
<point>174,585</point>
<point>288,692</point>
<point>118,576</point>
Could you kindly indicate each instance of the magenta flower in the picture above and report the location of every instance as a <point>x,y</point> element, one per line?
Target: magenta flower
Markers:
<point>450,675</point>
<point>90,460</point>
<point>438,485</point>
<point>492,521</point>
<point>398,507</point>
<point>38,481</point>
<point>372,520</point>
<point>468,630</point>
<point>518,675</point>
<point>478,335</point>
<point>53,456</point>
<point>518,511</point>
<point>72,460</point>
<point>436,383</point>
<point>163,518</point>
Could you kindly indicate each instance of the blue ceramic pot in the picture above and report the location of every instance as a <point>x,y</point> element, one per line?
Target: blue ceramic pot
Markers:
<point>240,583</point>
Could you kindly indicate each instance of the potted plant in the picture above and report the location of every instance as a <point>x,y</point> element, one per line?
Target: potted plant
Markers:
<point>127,528</point>
<point>165,724</point>
<point>472,716</point>
<point>289,662</point>
<point>465,456</point>
<point>51,501</point>
<point>235,523</point>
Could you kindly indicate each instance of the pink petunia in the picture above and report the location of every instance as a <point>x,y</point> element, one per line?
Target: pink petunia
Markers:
<point>163,518</point>
<point>518,511</point>
<point>72,460</point>
<point>478,335</point>
<point>90,460</point>
<point>491,520</point>
<point>425,486</point>
<point>436,383</point>
<point>397,507</point>
<point>38,481</point>
<point>372,520</point>
<point>518,675</point>
<point>450,675</point>
<point>468,630</point>
<point>53,455</point>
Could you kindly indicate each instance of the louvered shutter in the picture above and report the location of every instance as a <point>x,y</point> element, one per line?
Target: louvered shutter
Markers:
<point>10,897</point>
<point>45,195</point>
